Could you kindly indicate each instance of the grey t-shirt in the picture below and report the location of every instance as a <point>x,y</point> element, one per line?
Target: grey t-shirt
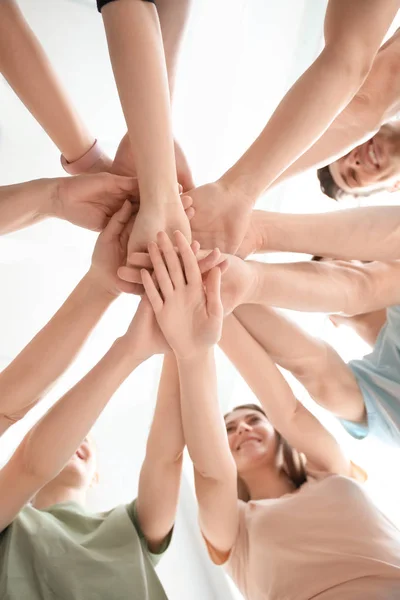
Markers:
<point>68,553</point>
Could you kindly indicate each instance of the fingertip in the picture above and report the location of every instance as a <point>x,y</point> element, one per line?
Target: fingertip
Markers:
<point>190,213</point>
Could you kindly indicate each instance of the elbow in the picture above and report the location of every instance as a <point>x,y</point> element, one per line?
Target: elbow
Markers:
<point>360,293</point>
<point>351,62</point>
<point>219,472</point>
<point>29,467</point>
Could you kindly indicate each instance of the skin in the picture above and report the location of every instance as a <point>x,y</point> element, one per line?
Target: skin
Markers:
<point>27,69</point>
<point>137,56</point>
<point>40,364</point>
<point>367,326</point>
<point>372,166</point>
<point>190,315</point>
<point>173,19</point>
<point>85,200</point>
<point>374,105</point>
<point>313,362</point>
<point>55,463</point>
<point>356,29</point>
<point>344,287</point>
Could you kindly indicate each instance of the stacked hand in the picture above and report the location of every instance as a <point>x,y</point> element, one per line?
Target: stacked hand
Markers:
<point>222,219</point>
<point>90,200</point>
<point>188,311</point>
<point>239,277</point>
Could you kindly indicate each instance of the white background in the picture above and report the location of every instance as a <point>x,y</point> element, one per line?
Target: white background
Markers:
<point>238,59</point>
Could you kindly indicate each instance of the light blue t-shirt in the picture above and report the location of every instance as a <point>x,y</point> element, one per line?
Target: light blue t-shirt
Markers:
<point>378,375</point>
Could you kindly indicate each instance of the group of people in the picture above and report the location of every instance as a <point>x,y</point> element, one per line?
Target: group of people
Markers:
<point>281,505</point>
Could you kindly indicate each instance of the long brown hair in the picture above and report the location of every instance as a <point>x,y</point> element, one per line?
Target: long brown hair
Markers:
<point>293,461</point>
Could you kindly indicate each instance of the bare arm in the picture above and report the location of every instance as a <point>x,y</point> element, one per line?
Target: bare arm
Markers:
<point>162,467</point>
<point>191,320</point>
<point>44,359</point>
<point>353,33</point>
<point>376,103</point>
<point>295,423</point>
<point>51,443</point>
<point>27,69</point>
<point>173,18</point>
<point>368,233</point>
<point>367,325</point>
<point>35,370</point>
<point>337,286</point>
<point>137,56</point>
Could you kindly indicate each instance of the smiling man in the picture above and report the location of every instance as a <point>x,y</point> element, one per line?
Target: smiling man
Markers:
<point>372,167</point>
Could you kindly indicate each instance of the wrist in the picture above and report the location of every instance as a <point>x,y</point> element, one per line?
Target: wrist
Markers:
<point>54,204</point>
<point>251,295</point>
<point>128,351</point>
<point>47,190</point>
<point>96,288</point>
<point>239,186</point>
<point>194,357</point>
<point>160,198</point>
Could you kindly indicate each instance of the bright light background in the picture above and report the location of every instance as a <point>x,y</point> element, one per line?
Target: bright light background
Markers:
<point>238,60</point>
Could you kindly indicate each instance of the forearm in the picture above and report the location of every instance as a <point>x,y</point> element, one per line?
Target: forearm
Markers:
<point>298,122</point>
<point>375,103</point>
<point>161,471</point>
<point>334,286</point>
<point>51,351</point>
<point>24,204</point>
<point>287,415</point>
<point>52,442</point>
<point>259,371</point>
<point>137,56</point>
<point>202,419</point>
<point>369,233</point>
<point>356,124</point>
<point>27,69</point>
<point>173,18</point>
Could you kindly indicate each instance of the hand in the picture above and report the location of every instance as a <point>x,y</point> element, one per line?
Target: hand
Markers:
<point>221,219</point>
<point>207,260</point>
<point>90,200</point>
<point>124,163</point>
<point>144,336</point>
<point>189,313</point>
<point>150,221</point>
<point>110,253</point>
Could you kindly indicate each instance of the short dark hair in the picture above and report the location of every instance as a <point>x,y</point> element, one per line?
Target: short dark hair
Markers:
<point>330,188</point>
<point>328,185</point>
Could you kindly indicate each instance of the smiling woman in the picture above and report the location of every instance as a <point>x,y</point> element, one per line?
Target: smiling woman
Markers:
<point>249,423</point>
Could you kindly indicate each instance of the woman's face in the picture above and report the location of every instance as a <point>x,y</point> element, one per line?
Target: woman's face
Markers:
<point>252,439</point>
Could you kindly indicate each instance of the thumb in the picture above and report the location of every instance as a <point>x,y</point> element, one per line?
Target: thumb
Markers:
<point>118,221</point>
<point>212,287</point>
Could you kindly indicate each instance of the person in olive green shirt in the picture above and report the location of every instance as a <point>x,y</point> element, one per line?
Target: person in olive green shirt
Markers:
<point>51,547</point>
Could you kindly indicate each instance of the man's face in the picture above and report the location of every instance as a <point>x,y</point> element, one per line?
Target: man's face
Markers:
<point>375,165</point>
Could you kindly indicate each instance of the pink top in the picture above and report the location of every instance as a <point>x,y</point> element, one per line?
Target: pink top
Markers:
<point>328,541</point>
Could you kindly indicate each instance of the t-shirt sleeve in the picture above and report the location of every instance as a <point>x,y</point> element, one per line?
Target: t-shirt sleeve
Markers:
<point>101,3</point>
<point>154,557</point>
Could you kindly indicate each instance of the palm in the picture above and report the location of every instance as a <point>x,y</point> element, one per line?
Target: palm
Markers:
<point>90,200</point>
<point>220,220</point>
